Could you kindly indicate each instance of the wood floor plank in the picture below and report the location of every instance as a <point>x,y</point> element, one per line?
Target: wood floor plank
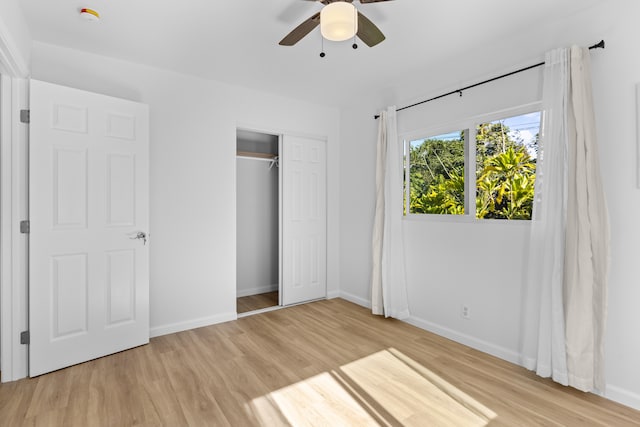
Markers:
<point>256,302</point>
<point>167,410</point>
<point>51,393</point>
<point>15,399</point>
<point>324,363</point>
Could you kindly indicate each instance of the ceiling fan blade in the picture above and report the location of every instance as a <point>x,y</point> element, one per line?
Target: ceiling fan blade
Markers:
<point>301,30</point>
<point>368,32</point>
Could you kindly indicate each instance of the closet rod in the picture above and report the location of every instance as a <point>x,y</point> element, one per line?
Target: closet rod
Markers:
<point>260,159</point>
<point>600,44</point>
<point>257,156</point>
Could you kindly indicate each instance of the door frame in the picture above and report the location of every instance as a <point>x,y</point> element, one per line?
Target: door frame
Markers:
<point>14,96</point>
<point>279,134</point>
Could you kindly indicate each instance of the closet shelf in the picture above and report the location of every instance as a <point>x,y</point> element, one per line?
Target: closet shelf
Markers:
<point>256,155</point>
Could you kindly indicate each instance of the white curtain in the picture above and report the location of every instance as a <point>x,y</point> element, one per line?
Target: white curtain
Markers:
<point>388,280</point>
<point>543,333</point>
<point>565,293</point>
<point>587,241</point>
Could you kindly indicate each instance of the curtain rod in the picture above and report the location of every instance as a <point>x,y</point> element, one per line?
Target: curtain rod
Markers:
<point>600,44</point>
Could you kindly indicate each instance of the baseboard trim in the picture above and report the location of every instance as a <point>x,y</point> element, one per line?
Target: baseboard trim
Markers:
<point>616,394</point>
<point>355,299</point>
<point>484,346</point>
<point>475,343</point>
<point>333,294</point>
<point>622,396</point>
<point>256,291</point>
<point>158,331</point>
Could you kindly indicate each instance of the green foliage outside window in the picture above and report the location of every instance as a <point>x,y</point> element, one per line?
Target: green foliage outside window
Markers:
<point>437,177</point>
<point>505,174</point>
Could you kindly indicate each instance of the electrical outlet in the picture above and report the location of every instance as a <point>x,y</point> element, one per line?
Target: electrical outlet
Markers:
<point>465,312</point>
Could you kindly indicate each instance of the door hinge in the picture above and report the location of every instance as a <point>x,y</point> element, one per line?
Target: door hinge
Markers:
<point>25,116</point>
<point>25,226</point>
<point>25,337</point>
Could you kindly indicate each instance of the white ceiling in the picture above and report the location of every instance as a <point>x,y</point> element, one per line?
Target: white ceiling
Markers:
<point>236,41</point>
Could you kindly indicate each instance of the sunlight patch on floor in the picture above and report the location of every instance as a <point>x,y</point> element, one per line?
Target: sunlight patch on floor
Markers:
<point>412,395</point>
<point>316,401</point>
<point>384,388</point>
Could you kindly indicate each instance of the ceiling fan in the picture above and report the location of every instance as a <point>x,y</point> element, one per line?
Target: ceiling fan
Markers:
<point>367,30</point>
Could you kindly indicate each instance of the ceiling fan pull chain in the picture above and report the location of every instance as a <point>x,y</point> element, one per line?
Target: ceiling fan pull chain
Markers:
<point>322,54</point>
<point>355,22</point>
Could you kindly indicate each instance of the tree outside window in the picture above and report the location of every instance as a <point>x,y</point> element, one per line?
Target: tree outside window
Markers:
<point>505,167</point>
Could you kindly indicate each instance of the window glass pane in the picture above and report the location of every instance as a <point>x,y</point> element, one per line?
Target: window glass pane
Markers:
<point>506,152</point>
<point>436,174</point>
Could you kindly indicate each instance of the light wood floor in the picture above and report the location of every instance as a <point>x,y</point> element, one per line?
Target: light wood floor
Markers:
<point>256,302</point>
<point>329,363</point>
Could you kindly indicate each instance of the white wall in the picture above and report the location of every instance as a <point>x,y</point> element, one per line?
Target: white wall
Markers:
<point>451,263</point>
<point>193,166</point>
<point>492,251</point>
<point>257,227</point>
<point>15,40</point>
<point>614,79</point>
<point>454,263</point>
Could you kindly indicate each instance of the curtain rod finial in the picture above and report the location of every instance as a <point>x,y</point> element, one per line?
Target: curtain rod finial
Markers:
<point>600,45</point>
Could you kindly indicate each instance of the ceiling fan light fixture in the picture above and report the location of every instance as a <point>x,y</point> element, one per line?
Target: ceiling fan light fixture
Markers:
<point>338,21</point>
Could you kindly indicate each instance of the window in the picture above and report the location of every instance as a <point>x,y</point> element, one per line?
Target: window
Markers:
<point>436,172</point>
<point>506,152</point>
<point>504,162</point>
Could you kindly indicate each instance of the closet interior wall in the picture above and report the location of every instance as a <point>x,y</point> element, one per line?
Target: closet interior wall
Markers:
<point>257,269</point>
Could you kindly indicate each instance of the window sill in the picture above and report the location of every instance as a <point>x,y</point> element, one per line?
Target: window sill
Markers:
<point>465,219</point>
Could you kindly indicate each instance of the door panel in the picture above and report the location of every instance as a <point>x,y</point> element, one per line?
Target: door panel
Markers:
<point>70,290</point>
<point>121,290</point>
<point>121,189</point>
<point>69,188</point>
<point>88,196</point>
<point>304,219</point>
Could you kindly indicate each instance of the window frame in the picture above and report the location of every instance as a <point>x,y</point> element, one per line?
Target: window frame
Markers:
<point>468,127</point>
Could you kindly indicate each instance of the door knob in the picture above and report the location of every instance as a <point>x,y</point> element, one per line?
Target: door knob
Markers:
<point>139,235</point>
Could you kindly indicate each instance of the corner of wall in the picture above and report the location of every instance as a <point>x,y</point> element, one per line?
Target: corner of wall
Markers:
<point>333,294</point>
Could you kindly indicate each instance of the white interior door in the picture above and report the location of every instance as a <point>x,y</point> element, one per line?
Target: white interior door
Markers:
<point>304,219</point>
<point>88,200</point>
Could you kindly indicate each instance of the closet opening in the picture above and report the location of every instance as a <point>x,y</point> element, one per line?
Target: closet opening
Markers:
<point>257,221</point>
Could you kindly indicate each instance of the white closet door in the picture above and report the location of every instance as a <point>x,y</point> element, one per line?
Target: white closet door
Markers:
<point>88,197</point>
<point>304,219</point>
